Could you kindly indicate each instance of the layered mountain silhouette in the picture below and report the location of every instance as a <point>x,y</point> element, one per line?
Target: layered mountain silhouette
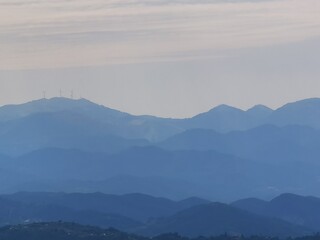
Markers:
<point>224,154</point>
<point>296,209</point>
<point>86,118</point>
<point>147,215</point>
<point>225,118</point>
<point>217,218</point>
<point>266,143</point>
<point>149,170</point>
<point>72,231</point>
<point>63,231</point>
<point>139,207</point>
<point>14,212</point>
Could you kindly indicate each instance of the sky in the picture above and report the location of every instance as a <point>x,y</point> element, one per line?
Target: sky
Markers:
<point>169,58</point>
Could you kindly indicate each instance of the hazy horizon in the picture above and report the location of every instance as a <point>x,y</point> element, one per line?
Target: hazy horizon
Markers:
<point>82,98</point>
<point>163,58</point>
<point>159,119</point>
<point>74,95</point>
<point>37,93</point>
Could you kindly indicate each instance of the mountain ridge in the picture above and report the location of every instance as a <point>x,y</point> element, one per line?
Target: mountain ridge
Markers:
<point>218,218</point>
<point>297,209</point>
<point>161,215</point>
<point>222,118</point>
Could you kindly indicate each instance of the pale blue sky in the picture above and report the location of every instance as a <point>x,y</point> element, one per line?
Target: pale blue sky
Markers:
<point>166,58</point>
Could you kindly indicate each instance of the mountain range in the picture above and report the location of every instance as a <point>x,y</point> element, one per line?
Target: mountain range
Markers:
<point>302,210</point>
<point>152,170</point>
<point>284,216</point>
<point>78,113</point>
<point>70,145</point>
<point>71,231</point>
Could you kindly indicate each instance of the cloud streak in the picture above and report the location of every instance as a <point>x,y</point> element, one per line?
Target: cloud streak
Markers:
<point>58,34</point>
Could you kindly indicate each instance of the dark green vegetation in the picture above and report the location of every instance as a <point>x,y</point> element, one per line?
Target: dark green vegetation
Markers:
<point>71,231</point>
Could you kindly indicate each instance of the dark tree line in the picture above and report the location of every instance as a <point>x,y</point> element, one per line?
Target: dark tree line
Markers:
<point>72,231</point>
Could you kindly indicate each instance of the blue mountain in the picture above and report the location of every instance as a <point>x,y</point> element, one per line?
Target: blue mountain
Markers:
<point>145,214</point>
<point>225,118</point>
<point>301,210</point>
<point>151,170</point>
<point>64,144</point>
<point>305,112</point>
<point>217,219</point>
<point>266,143</point>
<point>139,207</point>
<point>62,122</point>
<point>88,114</point>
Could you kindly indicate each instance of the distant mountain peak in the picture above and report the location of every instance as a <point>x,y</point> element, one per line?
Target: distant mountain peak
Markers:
<point>224,107</point>
<point>259,108</point>
<point>64,100</point>
<point>286,197</point>
<point>56,104</point>
<point>56,100</point>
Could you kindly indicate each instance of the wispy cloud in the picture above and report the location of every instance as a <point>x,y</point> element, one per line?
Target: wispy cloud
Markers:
<point>55,33</point>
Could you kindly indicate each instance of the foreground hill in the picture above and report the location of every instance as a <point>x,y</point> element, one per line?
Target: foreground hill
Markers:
<point>14,212</point>
<point>216,218</point>
<point>304,211</point>
<point>150,216</point>
<point>139,207</point>
<point>71,231</point>
<point>62,231</point>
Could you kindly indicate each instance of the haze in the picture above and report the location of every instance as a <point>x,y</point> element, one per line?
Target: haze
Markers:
<point>166,58</point>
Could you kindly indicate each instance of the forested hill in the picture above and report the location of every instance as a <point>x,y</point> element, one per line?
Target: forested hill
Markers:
<point>72,231</point>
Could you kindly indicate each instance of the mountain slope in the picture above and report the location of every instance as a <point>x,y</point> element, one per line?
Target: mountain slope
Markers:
<point>221,119</point>
<point>293,208</point>
<point>134,206</point>
<point>305,112</point>
<point>83,106</point>
<point>176,174</point>
<point>62,231</point>
<point>164,215</point>
<point>72,231</point>
<point>216,219</point>
<point>15,212</point>
<point>225,118</point>
<point>61,129</point>
<point>63,120</point>
<point>265,143</point>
